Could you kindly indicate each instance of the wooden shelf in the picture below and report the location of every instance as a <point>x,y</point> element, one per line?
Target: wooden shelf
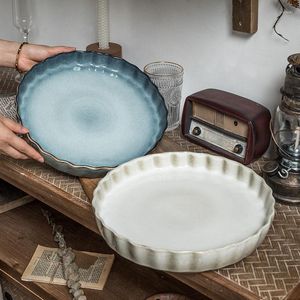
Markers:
<point>278,254</point>
<point>23,228</point>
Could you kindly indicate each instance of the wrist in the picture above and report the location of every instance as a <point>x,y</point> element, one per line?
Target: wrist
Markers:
<point>17,66</point>
<point>8,51</point>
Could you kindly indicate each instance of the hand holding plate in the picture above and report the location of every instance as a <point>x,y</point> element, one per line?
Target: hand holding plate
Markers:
<point>32,54</point>
<point>14,146</point>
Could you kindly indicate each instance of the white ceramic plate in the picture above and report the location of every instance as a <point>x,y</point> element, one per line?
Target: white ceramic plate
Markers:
<point>184,212</point>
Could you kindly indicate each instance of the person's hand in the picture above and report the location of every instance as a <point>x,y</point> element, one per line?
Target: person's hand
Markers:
<point>14,146</point>
<point>32,54</point>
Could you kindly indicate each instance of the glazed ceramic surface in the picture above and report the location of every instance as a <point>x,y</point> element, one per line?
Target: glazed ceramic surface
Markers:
<point>86,109</point>
<point>183,212</point>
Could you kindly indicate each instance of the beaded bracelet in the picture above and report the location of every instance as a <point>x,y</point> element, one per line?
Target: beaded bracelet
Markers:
<point>18,55</point>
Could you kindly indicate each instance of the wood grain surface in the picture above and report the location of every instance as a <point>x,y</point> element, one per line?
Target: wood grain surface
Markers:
<point>89,185</point>
<point>25,227</point>
<point>245,15</point>
<point>270,273</point>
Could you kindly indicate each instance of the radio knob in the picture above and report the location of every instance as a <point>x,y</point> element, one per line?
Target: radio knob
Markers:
<point>196,131</point>
<point>238,149</point>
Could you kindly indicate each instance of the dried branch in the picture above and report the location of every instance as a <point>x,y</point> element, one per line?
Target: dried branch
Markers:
<point>278,18</point>
<point>67,257</point>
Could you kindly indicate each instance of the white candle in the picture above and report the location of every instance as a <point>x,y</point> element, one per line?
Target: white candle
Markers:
<point>103,24</point>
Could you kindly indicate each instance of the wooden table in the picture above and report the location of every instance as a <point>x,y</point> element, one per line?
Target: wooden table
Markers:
<point>272,272</point>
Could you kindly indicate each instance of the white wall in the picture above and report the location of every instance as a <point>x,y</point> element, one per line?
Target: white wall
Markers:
<point>194,33</point>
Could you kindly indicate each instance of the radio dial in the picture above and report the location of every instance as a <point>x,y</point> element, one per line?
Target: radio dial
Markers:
<point>196,131</point>
<point>238,149</point>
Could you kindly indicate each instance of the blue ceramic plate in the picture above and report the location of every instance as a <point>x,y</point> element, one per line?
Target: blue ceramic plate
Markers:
<point>88,112</point>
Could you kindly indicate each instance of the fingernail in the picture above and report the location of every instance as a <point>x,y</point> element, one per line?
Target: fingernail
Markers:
<point>24,130</point>
<point>41,159</point>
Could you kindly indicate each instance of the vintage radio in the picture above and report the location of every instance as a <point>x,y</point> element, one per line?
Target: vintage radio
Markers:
<point>233,126</point>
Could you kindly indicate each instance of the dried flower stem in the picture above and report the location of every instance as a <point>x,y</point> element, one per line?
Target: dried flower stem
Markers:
<point>67,257</point>
<point>278,18</point>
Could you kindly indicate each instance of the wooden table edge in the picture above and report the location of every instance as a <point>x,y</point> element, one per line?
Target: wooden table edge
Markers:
<point>81,212</point>
<point>51,195</point>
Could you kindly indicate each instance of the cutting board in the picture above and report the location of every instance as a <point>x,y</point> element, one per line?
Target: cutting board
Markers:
<point>165,145</point>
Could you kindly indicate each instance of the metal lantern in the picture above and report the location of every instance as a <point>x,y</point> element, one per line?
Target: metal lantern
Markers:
<point>283,174</point>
